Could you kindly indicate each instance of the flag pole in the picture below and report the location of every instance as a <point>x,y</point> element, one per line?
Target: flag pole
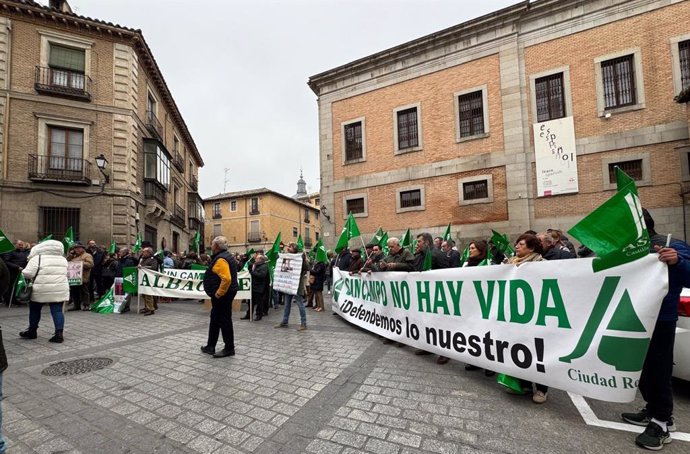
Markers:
<point>12,295</point>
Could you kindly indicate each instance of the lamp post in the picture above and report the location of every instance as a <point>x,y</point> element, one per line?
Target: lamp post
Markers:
<point>102,163</point>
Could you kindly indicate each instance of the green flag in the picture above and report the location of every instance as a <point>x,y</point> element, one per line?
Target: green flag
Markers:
<point>510,383</point>
<point>196,242</point>
<point>272,255</point>
<point>342,240</point>
<point>350,230</point>
<point>616,230</point>
<point>321,254</point>
<point>5,244</point>
<point>106,304</point>
<point>414,246</point>
<point>129,279</point>
<point>137,244</point>
<point>465,255</point>
<point>489,258</point>
<point>376,239</point>
<point>446,235</point>
<point>68,240</point>
<point>300,243</point>
<point>383,244</point>
<point>113,247</point>
<point>406,241</point>
<point>353,230</point>
<point>250,259</point>
<point>198,267</point>
<point>19,286</point>
<point>502,243</point>
<point>49,237</point>
<point>426,266</point>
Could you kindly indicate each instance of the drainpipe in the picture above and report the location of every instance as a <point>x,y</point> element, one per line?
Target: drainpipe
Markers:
<point>8,86</point>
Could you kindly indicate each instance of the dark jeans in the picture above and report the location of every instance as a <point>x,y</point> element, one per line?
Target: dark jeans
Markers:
<point>221,321</point>
<point>277,298</point>
<point>79,295</point>
<point>55,311</point>
<point>96,283</point>
<point>655,382</point>
<point>257,304</point>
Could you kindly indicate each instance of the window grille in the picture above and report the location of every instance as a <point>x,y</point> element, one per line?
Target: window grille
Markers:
<point>550,97</point>
<point>471,108</point>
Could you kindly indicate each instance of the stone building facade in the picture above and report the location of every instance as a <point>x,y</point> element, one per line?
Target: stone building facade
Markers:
<point>74,89</point>
<point>253,219</point>
<point>440,129</point>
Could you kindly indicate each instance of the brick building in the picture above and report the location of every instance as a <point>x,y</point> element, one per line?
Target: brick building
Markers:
<point>253,219</point>
<point>77,93</point>
<point>441,129</point>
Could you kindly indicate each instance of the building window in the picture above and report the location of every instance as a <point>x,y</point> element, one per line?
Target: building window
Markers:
<point>471,114</point>
<point>306,216</point>
<point>408,129</point>
<point>684,59</point>
<point>409,199</point>
<point>254,235</point>
<point>217,230</point>
<point>233,205</point>
<point>354,145</point>
<point>685,163</point>
<point>150,234</point>
<point>316,236</point>
<point>317,201</point>
<point>254,205</point>
<point>633,168</point>
<point>355,206</point>
<point>68,66</point>
<point>156,163</point>
<point>550,97</point>
<point>176,144</point>
<point>65,148</point>
<point>294,232</point>
<point>151,105</point>
<point>216,210</point>
<point>476,189</point>
<point>307,238</point>
<point>56,220</point>
<point>618,77</point>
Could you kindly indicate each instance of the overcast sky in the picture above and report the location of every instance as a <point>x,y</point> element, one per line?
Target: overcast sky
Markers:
<point>238,70</point>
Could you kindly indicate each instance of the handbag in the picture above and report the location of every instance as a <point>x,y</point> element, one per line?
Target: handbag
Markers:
<point>24,295</point>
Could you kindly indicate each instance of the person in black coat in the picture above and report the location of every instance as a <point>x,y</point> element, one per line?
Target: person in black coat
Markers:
<point>549,244</point>
<point>438,257</point>
<point>452,254</point>
<point>260,279</point>
<point>15,261</point>
<point>318,271</point>
<point>344,260</point>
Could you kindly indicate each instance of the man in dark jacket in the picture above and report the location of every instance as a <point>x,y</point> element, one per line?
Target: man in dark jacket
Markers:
<point>126,260</point>
<point>259,273</point>
<point>343,260</point>
<point>149,262</point>
<point>398,258</point>
<point>657,371</point>
<point>452,254</point>
<point>438,258</point>
<point>15,261</point>
<point>549,244</point>
<point>357,263</point>
<point>96,279</point>
<point>220,283</point>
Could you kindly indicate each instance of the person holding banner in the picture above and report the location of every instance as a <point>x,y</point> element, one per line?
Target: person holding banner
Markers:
<point>80,293</point>
<point>259,273</point>
<point>220,283</point>
<point>149,262</point>
<point>299,297</point>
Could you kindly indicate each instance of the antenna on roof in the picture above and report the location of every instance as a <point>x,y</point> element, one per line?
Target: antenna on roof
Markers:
<point>225,181</point>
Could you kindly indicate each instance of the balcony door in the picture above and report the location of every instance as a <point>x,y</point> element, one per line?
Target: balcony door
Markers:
<point>65,149</point>
<point>67,67</point>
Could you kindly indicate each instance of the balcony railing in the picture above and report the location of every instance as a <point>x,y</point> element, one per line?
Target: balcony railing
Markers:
<point>155,191</point>
<point>178,216</point>
<point>194,224</point>
<point>153,125</point>
<point>194,183</point>
<point>59,169</point>
<point>254,210</point>
<point>307,220</point>
<point>62,82</point>
<point>177,161</point>
<point>254,237</point>
<point>217,216</point>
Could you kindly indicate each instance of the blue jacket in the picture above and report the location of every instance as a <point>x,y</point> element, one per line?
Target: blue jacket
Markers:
<point>678,277</point>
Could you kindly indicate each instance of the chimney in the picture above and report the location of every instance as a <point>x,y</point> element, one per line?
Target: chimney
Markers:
<point>60,5</point>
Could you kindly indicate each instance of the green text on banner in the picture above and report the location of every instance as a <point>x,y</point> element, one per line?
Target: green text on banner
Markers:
<point>185,284</point>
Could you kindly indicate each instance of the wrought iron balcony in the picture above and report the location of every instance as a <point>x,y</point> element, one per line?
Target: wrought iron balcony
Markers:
<point>254,211</point>
<point>62,82</point>
<point>307,220</point>
<point>217,215</point>
<point>154,126</point>
<point>194,183</point>
<point>177,161</point>
<point>254,237</point>
<point>56,169</point>
<point>153,190</point>
<point>178,216</point>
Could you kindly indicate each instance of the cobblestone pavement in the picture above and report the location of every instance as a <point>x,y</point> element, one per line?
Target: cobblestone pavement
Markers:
<point>331,389</point>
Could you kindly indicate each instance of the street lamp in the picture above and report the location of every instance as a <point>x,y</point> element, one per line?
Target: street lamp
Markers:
<point>102,163</point>
<point>324,211</point>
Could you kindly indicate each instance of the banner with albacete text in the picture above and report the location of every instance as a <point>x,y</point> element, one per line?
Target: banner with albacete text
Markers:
<point>185,284</point>
<point>554,323</point>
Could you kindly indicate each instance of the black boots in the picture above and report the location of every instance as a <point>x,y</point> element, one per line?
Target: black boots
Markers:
<point>28,334</point>
<point>57,337</point>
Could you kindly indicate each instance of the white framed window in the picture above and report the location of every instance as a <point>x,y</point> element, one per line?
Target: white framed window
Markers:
<point>233,205</point>
<point>680,62</point>
<point>357,204</point>
<point>476,189</point>
<point>353,141</point>
<point>69,55</point>
<point>62,144</point>
<point>407,128</point>
<point>217,230</point>
<point>550,94</point>
<point>636,165</point>
<point>619,82</point>
<point>471,114</point>
<point>684,162</point>
<point>410,199</point>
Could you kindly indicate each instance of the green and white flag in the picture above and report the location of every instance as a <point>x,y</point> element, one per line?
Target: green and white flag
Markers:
<point>300,243</point>
<point>465,255</point>
<point>502,243</point>
<point>106,304</point>
<point>616,230</point>
<point>376,239</point>
<point>426,266</point>
<point>19,286</point>
<point>49,237</point>
<point>137,244</point>
<point>446,235</point>
<point>129,281</point>
<point>272,255</point>
<point>5,244</point>
<point>350,230</point>
<point>68,240</point>
<point>196,242</point>
<point>250,259</point>
<point>321,254</point>
<point>406,241</point>
<point>113,247</point>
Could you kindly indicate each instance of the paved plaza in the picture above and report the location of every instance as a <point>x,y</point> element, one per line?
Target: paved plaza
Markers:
<point>331,389</point>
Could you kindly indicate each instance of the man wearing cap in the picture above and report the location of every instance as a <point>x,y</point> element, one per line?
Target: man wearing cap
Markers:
<point>80,293</point>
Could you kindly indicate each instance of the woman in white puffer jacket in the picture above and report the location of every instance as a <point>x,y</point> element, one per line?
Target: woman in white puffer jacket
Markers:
<point>48,268</point>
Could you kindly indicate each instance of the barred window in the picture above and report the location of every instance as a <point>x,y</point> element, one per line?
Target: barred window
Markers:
<point>684,53</point>
<point>355,206</point>
<point>633,168</point>
<point>550,97</point>
<point>619,82</point>
<point>471,106</point>
<point>408,129</point>
<point>409,199</point>
<point>353,141</point>
<point>475,190</point>
<point>56,220</point>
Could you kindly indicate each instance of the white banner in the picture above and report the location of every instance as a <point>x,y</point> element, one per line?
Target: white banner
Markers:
<point>558,324</point>
<point>75,270</point>
<point>287,273</point>
<point>185,284</point>
<point>555,157</point>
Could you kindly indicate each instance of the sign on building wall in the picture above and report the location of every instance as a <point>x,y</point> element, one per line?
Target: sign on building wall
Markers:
<point>555,156</point>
